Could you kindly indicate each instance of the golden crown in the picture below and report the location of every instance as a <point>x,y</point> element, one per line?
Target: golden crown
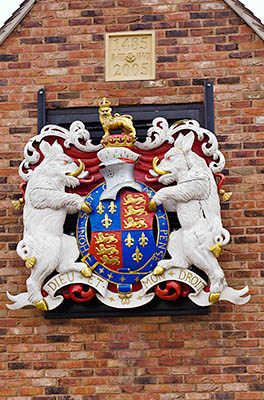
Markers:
<point>104,102</point>
<point>118,140</point>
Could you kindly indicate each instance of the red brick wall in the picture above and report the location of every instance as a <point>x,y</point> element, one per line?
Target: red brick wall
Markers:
<point>60,46</point>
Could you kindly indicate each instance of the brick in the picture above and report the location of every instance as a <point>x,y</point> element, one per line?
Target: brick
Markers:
<point>55,39</point>
<point>224,396</point>
<point>91,13</point>
<point>56,390</point>
<point>226,47</point>
<point>80,21</point>
<point>241,54</point>
<point>58,339</point>
<point>162,59</point>
<point>201,15</point>
<point>69,95</point>
<point>19,365</point>
<point>31,41</point>
<point>177,33</point>
<point>135,27</point>
<point>157,17</point>
<point>8,57</point>
<point>189,7</point>
<point>228,80</point>
<point>179,82</point>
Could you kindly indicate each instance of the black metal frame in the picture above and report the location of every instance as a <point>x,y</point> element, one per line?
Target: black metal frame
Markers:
<point>209,106</point>
<point>41,109</point>
<point>142,114</point>
<point>142,118</point>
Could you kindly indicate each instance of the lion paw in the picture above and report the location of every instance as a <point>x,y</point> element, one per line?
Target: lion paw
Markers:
<point>87,272</point>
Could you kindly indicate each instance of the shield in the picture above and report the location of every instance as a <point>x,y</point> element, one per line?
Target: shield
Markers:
<point>127,240</point>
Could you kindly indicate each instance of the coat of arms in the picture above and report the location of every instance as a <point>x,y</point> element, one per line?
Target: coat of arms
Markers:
<point>123,251</point>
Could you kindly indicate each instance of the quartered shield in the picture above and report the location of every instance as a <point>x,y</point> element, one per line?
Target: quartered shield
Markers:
<point>124,246</point>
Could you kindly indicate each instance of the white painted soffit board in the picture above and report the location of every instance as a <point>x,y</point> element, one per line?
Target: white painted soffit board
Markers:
<point>251,20</point>
<point>15,19</point>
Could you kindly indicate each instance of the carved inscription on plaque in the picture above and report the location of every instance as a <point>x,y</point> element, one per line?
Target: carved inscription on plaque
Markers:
<point>130,56</point>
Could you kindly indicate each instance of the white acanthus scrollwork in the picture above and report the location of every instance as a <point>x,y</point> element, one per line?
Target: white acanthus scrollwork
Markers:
<point>77,136</point>
<point>161,132</point>
<point>209,148</point>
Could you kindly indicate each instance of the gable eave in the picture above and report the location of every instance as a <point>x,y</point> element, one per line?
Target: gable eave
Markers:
<point>15,19</point>
<point>247,16</point>
<point>243,12</point>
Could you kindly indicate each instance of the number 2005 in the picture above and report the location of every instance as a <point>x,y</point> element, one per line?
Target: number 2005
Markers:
<point>130,69</point>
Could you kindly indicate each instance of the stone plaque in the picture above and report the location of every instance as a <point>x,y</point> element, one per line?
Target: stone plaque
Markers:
<point>130,56</point>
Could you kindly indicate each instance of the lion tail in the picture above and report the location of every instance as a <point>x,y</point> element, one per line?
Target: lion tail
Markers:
<point>125,116</point>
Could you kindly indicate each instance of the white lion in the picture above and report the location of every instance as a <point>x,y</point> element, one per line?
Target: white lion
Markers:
<point>195,199</point>
<point>44,246</point>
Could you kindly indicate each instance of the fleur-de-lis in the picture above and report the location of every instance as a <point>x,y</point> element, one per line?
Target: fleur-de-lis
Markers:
<point>143,241</point>
<point>112,207</point>
<point>106,222</point>
<point>129,241</point>
<point>100,208</point>
<point>137,256</point>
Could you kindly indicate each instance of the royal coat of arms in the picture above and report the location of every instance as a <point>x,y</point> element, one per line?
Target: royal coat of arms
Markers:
<point>123,252</point>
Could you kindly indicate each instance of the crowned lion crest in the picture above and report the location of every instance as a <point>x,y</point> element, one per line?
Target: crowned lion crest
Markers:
<point>123,252</point>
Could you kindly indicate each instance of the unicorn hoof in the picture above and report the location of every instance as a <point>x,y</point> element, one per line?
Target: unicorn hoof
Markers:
<point>214,297</point>
<point>158,270</point>
<point>18,204</point>
<point>86,208</point>
<point>152,205</point>
<point>41,305</point>
<point>216,249</point>
<point>87,272</point>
